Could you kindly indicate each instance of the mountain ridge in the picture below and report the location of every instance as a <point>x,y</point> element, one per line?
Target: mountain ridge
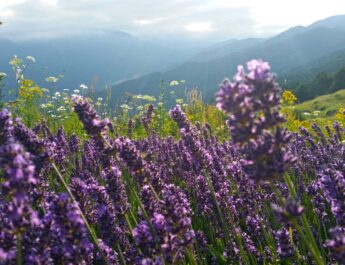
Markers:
<point>291,49</point>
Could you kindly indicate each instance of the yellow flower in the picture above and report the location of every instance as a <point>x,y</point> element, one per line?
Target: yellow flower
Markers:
<point>340,116</point>
<point>15,61</point>
<point>288,97</point>
<point>28,90</point>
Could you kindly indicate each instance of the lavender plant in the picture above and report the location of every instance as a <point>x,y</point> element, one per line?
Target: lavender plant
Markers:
<point>261,196</point>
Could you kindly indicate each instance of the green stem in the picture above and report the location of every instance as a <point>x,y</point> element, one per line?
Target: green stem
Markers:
<point>154,193</point>
<point>129,223</point>
<point>147,218</point>
<point>122,258</point>
<point>221,216</point>
<point>19,249</point>
<point>92,234</point>
<point>309,240</point>
<point>190,257</point>
<point>311,248</point>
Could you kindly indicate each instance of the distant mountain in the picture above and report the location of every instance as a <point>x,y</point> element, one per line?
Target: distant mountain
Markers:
<point>305,73</point>
<point>104,58</point>
<point>224,48</point>
<point>135,66</point>
<point>334,22</point>
<point>292,49</point>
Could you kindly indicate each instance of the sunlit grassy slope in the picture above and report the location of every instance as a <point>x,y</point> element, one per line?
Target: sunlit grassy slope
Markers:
<point>327,104</point>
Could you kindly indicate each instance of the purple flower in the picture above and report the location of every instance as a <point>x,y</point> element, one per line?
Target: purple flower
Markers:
<point>69,237</point>
<point>130,128</point>
<point>130,157</point>
<point>42,150</point>
<point>6,125</point>
<point>19,180</point>
<point>284,247</point>
<point>258,70</point>
<point>337,244</point>
<point>110,254</point>
<point>93,124</point>
<point>180,117</point>
<point>252,103</point>
<point>116,189</point>
<point>290,210</point>
<point>147,117</point>
<point>158,222</point>
<point>17,215</point>
<point>142,235</point>
<point>74,143</point>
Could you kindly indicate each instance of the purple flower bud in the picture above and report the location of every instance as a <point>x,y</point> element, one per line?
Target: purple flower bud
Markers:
<point>180,117</point>
<point>6,125</point>
<point>147,117</point>
<point>252,103</point>
<point>284,247</point>
<point>292,209</point>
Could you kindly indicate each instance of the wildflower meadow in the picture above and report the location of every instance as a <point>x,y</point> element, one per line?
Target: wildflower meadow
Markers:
<point>241,181</point>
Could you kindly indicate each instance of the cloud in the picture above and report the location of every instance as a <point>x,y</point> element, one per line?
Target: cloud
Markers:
<point>215,19</point>
<point>143,22</point>
<point>199,27</point>
<point>50,2</point>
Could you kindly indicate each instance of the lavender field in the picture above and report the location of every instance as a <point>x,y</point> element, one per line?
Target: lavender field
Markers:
<point>254,193</point>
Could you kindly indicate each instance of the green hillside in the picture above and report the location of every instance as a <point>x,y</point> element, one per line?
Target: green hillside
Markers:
<point>326,104</point>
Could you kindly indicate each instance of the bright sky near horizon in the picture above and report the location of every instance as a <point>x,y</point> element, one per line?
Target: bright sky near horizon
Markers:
<point>217,19</point>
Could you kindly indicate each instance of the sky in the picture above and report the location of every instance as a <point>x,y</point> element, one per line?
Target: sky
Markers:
<point>179,19</point>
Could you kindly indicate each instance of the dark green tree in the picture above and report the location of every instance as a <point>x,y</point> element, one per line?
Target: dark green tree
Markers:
<point>338,81</point>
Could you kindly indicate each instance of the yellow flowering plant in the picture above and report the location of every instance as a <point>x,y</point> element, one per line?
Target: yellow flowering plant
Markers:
<point>29,90</point>
<point>288,98</point>
<point>28,100</point>
<point>340,115</point>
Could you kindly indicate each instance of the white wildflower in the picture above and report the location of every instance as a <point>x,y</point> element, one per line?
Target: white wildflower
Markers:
<point>137,96</point>
<point>83,86</point>
<point>179,101</point>
<point>174,83</point>
<point>149,98</point>
<point>61,109</point>
<point>52,79</point>
<point>125,107</point>
<point>31,58</point>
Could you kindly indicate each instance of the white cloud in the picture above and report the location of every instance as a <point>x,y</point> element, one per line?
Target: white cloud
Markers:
<point>6,8</point>
<point>143,22</point>
<point>50,2</point>
<point>293,12</point>
<point>220,19</point>
<point>199,27</point>
<point>220,4</point>
<point>6,13</point>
